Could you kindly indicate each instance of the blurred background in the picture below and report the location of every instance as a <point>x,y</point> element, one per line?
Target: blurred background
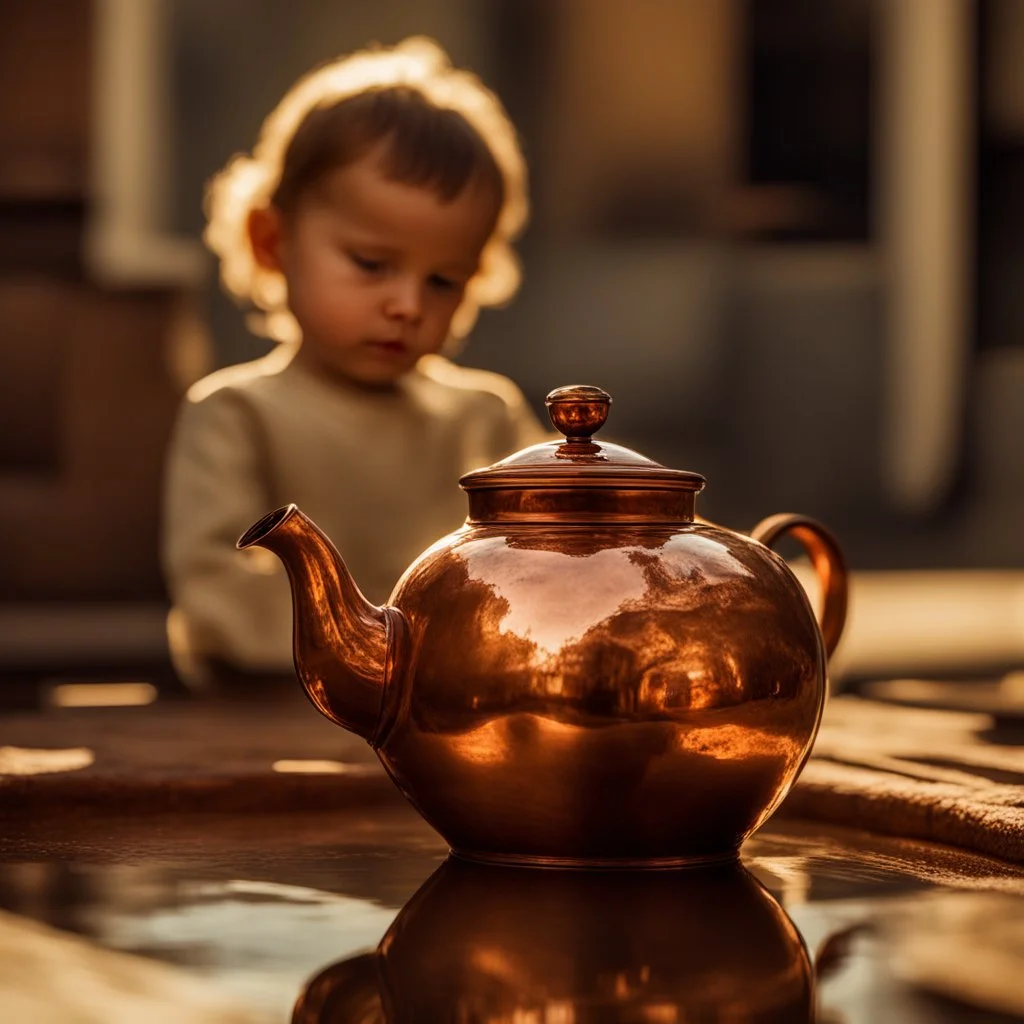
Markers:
<point>786,235</point>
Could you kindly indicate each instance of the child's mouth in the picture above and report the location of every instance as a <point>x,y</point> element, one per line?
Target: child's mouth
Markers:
<point>390,348</point>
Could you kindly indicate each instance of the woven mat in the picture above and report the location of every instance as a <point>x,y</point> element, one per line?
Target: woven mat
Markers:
<point>944,776</point>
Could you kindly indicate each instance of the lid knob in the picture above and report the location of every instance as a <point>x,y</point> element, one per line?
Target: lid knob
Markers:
<point>578,411</point>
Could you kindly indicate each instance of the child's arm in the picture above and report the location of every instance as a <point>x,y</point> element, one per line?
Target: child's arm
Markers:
<point>232,606</point>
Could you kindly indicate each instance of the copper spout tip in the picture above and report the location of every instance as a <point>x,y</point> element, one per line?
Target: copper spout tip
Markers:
<point>261,529</point>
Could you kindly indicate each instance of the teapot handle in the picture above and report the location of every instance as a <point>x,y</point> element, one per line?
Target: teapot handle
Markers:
<point>828,561</point>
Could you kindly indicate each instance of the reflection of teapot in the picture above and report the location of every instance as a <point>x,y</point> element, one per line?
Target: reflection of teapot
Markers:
<point>584,673</point>
<point>480,944</point>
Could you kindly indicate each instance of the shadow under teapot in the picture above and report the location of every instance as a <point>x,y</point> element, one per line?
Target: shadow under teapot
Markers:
<point>480,944</point>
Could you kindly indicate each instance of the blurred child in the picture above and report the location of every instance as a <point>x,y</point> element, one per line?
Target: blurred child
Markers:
<point>372,220</point>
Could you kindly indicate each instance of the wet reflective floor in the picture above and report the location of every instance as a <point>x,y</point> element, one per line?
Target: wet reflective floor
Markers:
<point>357,916</point>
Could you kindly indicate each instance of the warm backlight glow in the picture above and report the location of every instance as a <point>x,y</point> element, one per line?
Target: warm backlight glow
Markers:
<point>101,695</point>
<point>26,761</point>
<point>311,767</point>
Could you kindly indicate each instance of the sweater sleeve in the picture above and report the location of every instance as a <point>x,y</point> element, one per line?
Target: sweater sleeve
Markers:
<point>228,604</point>
<point>528,428</point>
<point>521,428</point>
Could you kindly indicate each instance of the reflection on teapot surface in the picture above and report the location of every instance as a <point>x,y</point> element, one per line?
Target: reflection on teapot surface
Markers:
<point>483,945</point>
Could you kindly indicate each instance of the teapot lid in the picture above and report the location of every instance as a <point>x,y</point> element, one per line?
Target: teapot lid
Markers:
<point>580,479</point>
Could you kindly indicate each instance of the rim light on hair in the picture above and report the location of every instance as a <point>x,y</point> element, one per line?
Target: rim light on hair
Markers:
<point>248,181</point>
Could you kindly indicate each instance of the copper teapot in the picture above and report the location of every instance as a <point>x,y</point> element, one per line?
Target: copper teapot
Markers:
<point>585,673</point>
<point>480,943</point>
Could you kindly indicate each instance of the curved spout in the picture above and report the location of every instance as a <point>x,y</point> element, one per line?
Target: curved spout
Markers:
<point>342,642</point>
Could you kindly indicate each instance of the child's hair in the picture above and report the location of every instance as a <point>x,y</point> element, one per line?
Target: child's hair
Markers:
<point>442,126</point>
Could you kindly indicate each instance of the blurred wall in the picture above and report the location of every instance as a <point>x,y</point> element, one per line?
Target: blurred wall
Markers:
<point>705,242</point>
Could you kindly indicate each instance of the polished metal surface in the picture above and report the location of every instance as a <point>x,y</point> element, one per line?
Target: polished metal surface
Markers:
<point>585,673</point>
<point>480,943</point>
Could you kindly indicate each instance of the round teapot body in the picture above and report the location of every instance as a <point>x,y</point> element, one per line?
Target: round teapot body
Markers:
<point>579,695</point>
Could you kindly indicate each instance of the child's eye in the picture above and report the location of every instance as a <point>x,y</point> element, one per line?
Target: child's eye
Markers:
<point>371,266</point>
<point>444,284</point>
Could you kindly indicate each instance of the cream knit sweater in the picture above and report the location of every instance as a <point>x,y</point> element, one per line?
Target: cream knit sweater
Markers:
<point>377,471</point>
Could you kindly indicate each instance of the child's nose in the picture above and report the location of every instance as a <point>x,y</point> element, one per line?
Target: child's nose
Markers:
<point>405,299</point>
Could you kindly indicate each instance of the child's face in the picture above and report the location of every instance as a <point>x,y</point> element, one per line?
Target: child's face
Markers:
<point>375,269</point>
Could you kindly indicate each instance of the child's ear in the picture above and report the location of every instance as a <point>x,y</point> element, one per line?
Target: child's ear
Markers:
<point>266,237</point>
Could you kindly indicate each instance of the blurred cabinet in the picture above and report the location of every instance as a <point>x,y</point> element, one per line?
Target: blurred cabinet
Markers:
<point>85,406</point>
<point>44,98</point>
<point>86,400</point>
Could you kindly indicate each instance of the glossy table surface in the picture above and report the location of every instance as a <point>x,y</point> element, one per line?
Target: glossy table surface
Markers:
<point>248,862</point>
<point>254,906</point>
